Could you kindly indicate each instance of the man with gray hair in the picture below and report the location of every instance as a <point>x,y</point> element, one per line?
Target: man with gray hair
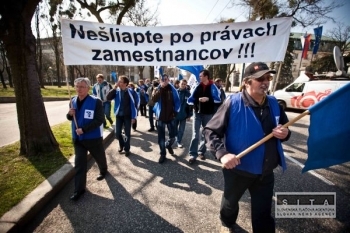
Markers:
<point>87,116</point>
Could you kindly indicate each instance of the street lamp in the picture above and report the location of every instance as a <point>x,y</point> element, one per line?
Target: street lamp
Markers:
<point>49,71</point>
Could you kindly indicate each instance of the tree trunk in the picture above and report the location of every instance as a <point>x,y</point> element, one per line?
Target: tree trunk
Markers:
<point>36,136</point>
<point>3,81</point>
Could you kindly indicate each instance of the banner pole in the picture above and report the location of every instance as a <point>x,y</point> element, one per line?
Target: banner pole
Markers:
<point>257,144</point>
<point>70,97</point>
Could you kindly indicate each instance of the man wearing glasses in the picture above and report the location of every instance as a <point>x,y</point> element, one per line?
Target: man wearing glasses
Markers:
<point>167,105</point>
<point>243,120</point>
<point>87,116</point>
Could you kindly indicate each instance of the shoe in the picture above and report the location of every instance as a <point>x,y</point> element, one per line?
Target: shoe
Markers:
<point>120,149</point>
<point>224,229</point>
<point>77,195</point>
<point>179,145</point>
<point>170,149</point>
<point>191,160</point>
<point>151,130</point>
<point>201,156</point>
<point>101,177</point>
<point>161,159</point>
<point>127,153</point>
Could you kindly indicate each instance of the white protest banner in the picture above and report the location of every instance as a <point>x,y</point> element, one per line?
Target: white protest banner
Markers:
<point>89,43</point>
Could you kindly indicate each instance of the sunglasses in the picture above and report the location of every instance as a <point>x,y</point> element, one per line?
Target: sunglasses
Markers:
<point>263,78</point>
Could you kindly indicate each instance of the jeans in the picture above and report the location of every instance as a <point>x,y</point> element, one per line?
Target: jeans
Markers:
<point>180,127</point>
<point>150,115</point>
<point>124,140</point>
<point>107,111</point>
<point>261,192</point>
<point>161,135</point>
<point>198,121</point>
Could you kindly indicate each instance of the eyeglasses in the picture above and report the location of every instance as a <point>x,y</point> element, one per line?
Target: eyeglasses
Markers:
<point>263,78</point>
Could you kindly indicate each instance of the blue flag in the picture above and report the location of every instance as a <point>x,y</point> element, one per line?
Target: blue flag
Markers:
<point>160,70</point>
<point>329,131</point>
<point>318,35</point>
<point>193,69</point>
<point>114,76</point>
<point>180,77</point>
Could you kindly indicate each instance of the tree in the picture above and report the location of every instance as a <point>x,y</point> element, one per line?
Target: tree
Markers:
<point>341,36</point>
<point>36,136</point>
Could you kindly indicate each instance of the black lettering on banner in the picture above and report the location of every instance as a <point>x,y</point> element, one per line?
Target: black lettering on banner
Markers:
<point>187,34</point>
<point>148,55</point>
<point>122,53</point>
<point>212,54</point>
<point>137,56</point>
<point>158,38</point>
<point>108,56</point>
<point>194,56</point>
<point>91,35</point>
<point>175,38</point>
<point>165,52</point>
<point>180,55</point>
<point>97,53</point>
<point>73,31</point>
<point>103,36</point>
<point>200,54</point>
<point>205,36</point>
<point>258,33</point>
<point>138,38</point>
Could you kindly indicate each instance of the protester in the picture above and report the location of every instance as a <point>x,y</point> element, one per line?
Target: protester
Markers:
<point>154,85</point>
<point>125,108</point>
<point>185,112</point>
<point>100,90</point>
<point>203,98</point>
<point>244,119</point>
<point>218,83</point>
<point>177,84</point>
<point>143,96</point>
<point>167,105</point>
<point>87,116</point>
<point>134,124</point>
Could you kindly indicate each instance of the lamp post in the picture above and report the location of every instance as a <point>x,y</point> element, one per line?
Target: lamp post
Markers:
<point>129,73</point>
<point>49,71</point>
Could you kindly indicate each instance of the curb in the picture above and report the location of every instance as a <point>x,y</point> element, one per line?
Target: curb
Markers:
<point>16,218</point>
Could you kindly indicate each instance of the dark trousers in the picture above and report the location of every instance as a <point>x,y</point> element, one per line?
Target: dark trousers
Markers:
<point>261,192</point>
<point>161,135</point>
<point>123,122</point>
<point>97,151</point>
<point>150,116</point>
<point>143,109</point>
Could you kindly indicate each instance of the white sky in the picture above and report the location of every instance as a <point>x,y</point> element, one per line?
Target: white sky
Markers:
<point>178,12</point>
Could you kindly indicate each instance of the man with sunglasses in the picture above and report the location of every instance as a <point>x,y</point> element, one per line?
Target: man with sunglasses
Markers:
<point>243,120</point>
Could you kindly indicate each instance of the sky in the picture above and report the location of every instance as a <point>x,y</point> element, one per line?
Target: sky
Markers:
<point>178,12</point>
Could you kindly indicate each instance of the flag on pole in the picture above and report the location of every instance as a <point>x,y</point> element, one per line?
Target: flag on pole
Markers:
<point>306,45</point>
<point>114,76</point>
<point>318,35</point>
<point>329,131</point>
<point>160,71</point>
<point>180,77</point>
<point>193,69</point>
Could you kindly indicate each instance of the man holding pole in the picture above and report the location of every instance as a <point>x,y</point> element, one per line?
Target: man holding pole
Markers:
<point>87,116</point>
<point>243,120</point>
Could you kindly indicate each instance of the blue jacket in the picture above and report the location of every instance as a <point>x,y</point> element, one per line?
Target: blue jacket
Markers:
<point>143,96</point>
<point>134,102</point>
<point>101,90</point>
<point>158,105</point>
<point>84,116</point>
<point>246,134</point>
<point>185,111</point>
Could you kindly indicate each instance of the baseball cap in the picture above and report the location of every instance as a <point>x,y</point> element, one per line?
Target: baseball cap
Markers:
<point>256,70</point>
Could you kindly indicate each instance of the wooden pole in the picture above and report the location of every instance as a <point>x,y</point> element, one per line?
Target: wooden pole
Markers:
<point>70,97</point>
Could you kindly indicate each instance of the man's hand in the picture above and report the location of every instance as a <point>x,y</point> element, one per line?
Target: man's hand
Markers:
<point>71,112</point>
<point>230,161</point>
<point>79,131</point>
<point>280,132</point>
<point>203,99</point>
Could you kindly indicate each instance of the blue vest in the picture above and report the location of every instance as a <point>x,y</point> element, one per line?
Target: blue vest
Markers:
<point>84,116</point>
<point>134,103</point>
<point>245,130</point>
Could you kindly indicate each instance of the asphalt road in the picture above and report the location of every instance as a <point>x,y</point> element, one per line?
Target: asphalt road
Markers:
<point>140,195</point>
<point>56,113</point>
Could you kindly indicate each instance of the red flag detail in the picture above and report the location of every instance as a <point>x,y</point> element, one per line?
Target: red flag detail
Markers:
<point>306,46</point>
